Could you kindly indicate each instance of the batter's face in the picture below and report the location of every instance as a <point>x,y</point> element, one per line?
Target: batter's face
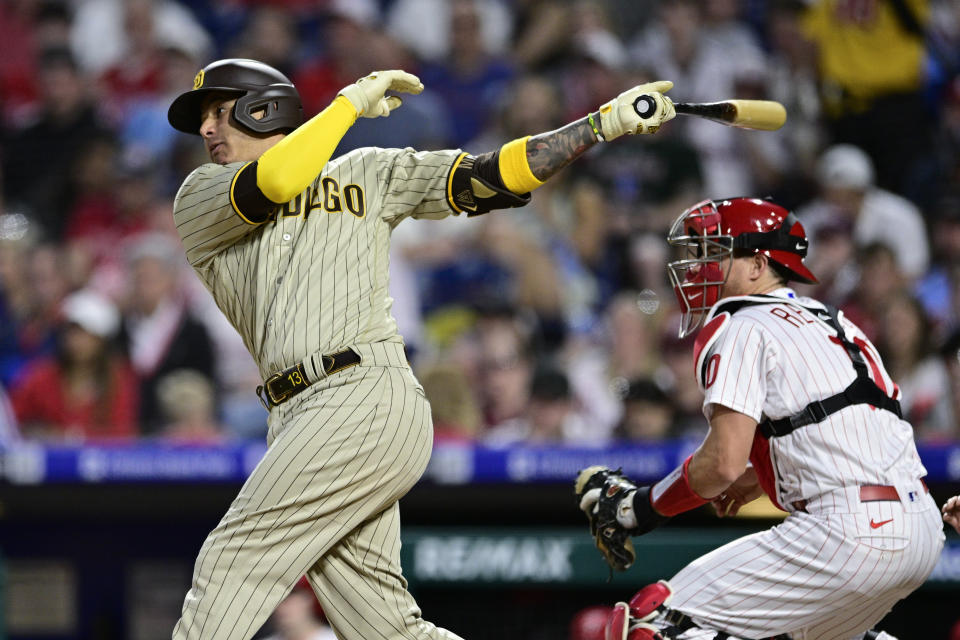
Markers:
<point>223,137</point>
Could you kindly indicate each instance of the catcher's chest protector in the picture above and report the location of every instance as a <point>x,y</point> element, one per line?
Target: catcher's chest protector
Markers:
<point>863,390</point>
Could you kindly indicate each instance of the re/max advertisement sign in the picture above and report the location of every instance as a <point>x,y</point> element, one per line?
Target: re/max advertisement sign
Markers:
<point>567,558</point>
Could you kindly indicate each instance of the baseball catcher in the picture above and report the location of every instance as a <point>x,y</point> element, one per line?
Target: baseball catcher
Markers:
<point>801,408</point>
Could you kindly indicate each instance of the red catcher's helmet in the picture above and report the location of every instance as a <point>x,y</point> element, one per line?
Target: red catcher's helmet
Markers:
<point>710,230</point>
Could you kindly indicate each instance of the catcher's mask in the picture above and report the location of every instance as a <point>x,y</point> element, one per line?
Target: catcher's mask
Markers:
<point>711,230</point>
<point>256,86</point>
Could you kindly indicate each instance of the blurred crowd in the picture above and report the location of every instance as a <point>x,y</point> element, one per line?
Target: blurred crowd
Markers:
<point>553,323</point>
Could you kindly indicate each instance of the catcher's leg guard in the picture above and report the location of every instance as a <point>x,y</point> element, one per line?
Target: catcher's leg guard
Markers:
<point>621,627</point>
<point>651,601</point>
<point>634,621</point>
<point>617,622</point>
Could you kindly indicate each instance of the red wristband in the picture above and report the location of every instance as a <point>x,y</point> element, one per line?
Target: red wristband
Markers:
<point>673,494</point>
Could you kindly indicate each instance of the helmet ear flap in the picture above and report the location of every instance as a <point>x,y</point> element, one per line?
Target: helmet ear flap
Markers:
<point>278,111</point>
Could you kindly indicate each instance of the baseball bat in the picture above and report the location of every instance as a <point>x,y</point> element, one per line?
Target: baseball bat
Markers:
<point>763,115</point>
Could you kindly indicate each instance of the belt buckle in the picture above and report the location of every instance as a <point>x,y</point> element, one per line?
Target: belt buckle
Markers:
<point>275,400</point>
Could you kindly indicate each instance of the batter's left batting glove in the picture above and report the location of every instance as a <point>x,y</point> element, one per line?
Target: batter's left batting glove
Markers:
<point>608,499</point>
<point>639,110</point>
<point>367,94</point>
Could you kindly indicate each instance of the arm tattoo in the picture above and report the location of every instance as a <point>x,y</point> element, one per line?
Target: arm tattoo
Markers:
<point>549,152</point>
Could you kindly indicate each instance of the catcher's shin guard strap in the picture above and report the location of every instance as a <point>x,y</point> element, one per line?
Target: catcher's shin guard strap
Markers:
<point>514,168</point>
<point>680,623</point>
<point>673,494</point>
<point>289,166</point>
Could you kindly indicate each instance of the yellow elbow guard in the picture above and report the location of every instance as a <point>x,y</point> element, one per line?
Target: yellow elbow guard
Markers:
<point>292,164</point>
<point>514,168</point>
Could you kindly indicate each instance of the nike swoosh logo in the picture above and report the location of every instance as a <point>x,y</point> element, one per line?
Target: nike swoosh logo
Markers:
<point>877,525</point>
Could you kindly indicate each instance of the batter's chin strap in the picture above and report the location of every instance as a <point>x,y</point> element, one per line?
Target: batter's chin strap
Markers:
<point>863,390</point>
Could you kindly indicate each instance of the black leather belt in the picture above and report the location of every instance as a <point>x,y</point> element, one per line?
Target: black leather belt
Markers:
<point>285,384</point>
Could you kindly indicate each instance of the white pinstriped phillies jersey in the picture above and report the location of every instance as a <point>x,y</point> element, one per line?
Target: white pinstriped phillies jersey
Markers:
<point>771,361</point>
<point>313,278</point>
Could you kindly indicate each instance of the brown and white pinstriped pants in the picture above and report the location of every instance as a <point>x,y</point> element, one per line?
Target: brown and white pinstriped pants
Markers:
<point>323,502</point>
<point>816,576</point>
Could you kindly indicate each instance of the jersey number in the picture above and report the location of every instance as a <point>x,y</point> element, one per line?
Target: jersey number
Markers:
<point>795,316</point>
<point>713,365</point>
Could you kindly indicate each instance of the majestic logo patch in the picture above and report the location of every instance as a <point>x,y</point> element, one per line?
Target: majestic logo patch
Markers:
<point>198,79</point>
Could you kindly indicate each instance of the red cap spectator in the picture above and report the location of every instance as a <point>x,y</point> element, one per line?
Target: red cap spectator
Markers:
<point>588,623</point>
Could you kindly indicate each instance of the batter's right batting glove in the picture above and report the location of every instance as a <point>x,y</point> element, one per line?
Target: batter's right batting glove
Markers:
<point>639,110</point>
<point>367,94</point>
<point>607,499</point>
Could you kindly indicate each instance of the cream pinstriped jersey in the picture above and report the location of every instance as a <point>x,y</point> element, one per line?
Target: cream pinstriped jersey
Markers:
<point>772,360</point>
<point>314,277</point>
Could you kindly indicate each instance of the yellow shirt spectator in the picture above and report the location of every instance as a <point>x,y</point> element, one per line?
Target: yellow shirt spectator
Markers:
<point>865,50</point>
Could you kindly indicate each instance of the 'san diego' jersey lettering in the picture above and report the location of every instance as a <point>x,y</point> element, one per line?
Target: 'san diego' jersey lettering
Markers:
<point>313,279</point>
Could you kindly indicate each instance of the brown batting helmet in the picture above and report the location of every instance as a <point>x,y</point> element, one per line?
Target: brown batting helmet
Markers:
<point>256,85</point>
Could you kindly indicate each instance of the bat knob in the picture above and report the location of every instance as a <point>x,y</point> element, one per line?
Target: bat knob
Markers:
<point>645,106</point>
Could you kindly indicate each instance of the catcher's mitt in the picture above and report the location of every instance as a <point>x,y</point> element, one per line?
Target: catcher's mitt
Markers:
<point>599,494</point>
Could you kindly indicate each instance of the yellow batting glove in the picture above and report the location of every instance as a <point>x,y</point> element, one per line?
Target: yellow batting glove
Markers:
<point>641,109</point>
<point>367,94</point>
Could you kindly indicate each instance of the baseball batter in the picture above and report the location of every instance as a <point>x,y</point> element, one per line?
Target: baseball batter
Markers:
<point>294,248</point>
<point>801,408</point>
